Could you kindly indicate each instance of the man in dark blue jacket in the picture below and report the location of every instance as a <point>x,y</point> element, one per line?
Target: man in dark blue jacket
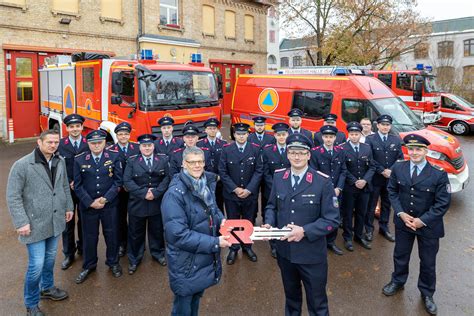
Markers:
<point>420,197</point>
<point>215,145</point>
<point>260,137</point>
<point>192,220</point>
<point>330,160</point>
<point>302,199</point>
<point>329,119</point>
<point>146,178</point>
<point>69,147</point>
<point>295,120</point>
<point>355,199</point>
<point>125,149</point>
<point>167,143</point>
<point>386,149</point>
<point>241,171</point>
<point>97,179</point>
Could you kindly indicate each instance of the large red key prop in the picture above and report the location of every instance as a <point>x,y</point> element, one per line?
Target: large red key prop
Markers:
<point>241,231</point>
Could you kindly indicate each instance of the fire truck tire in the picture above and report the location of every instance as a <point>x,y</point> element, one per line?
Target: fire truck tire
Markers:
<point>460,128</point>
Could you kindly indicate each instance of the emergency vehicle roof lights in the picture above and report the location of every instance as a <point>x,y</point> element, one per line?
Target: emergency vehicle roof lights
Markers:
<point>327,70</point>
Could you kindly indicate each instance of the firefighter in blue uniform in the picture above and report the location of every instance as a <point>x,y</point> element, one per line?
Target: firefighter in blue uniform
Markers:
<point>260,137</point>
<point>274,157</point>
<point>190,138</point>
<point>330,160</point>
<point>302,199</point>
<point>329,119</point>
<point>386,149</point>
<point>355,199</point>
<point>215,145</point>
<point>146,178</point>
<point>241,169</point>
<point>295,120</point>
<point>97,179</point>
<point>69,147</point>
<point>167,143</point>
<point>420,197</point>
<point>125,149</point>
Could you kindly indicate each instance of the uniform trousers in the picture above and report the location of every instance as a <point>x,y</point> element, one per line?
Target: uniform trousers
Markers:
<point>354,206</point>
<point>243,209</point>
<point>69,234</point>
<point>122,217</point>
<point>378,191</point>
<point>138,228</point>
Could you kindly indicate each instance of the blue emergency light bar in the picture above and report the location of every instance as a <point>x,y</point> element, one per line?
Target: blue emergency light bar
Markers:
<point>327,70</point>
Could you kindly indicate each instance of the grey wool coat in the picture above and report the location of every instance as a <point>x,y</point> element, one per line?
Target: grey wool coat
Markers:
<point>32,199</point>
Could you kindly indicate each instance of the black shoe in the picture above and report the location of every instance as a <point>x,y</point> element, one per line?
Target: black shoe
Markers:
<point>67,262</point>
<point>274,253</point>
<point>122,251</point>
<point>387,235</point>
<point>364,243</point>
<point>132,268</point>
<point>231,256</point>
<point>430,305</point>
<point>116,270</point>
<point>250,254</point>
<point>369,236</point>
<point>161,261</point>
<point>34,311</point>
<point>348,245</point>
<point>392,288</point>
<point>54,294</point>
<point>83,275</point>
<point>335,249</point>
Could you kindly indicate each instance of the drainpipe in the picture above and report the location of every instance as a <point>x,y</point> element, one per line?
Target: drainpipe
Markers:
<point>140,25</point>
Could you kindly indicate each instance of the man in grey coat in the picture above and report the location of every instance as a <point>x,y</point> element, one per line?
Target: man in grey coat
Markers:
<point>40,204</point>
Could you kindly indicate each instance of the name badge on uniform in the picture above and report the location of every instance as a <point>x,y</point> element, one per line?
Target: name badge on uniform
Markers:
<point>85,166</point>
<point>335,202</point>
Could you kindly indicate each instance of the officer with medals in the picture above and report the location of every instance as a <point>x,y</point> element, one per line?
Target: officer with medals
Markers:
<point>215,145</point>
<point>241,170</point>
<point>146,178</point>
<point>331,160</point>
<point>167,143</point>
<point>386,149</point>
<point>190,138</point>
<point>295,121</point>
<point>274,157</point>
<point>420,197</point>
<point>355,199</point>
<point>329,119</point>
<point>302,199</point>
<point>97,179</point>
<point>69,147</point>
<point>125,149</point>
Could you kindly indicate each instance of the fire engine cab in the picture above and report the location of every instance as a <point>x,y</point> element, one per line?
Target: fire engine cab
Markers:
<point>417,88</point>
<point>110,91</point>
<point>352,96</point>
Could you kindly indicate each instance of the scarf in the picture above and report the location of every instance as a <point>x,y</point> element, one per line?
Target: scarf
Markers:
<point>201,188</point>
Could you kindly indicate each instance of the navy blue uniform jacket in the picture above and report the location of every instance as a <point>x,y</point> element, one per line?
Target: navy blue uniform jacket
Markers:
<point>359,167</point>
<point>272,160</point>
<point>214,152</point>
<point>334,166</point>
<point>340,139</point>
<point>175,143</point>
<point>385,155</point>
<point>67,151</point>
<point>267,139</point>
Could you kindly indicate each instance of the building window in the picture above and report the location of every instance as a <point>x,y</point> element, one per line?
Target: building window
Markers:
<point>271,36</point>
<point>111,9</point>
<point>66,6</point>
<point>208,20</point>
<point>297,61</point>
<point>24,91</point>
<point>421,51</point>
<point>23,67</point>
<point>88,79</point>
<point>445,49</point>
<point>272,60</point>
<point>313,104</point>
<point>468,75</point>
<point>229,17</point>
<point>169,12</point>
<point>285,62</point>
<point>249,28</point>
<point>469,47</point>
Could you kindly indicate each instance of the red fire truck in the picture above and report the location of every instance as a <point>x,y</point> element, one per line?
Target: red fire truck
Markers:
<point>109,91</point>
<point>417,88</point>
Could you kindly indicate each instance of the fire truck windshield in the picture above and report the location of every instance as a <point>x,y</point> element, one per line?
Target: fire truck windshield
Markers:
<point>404,120</point>
<point>430,84</point>
<point>178,89</point>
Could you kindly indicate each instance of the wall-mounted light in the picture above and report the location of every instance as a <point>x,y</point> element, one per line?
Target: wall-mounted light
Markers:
<point>65,21</point>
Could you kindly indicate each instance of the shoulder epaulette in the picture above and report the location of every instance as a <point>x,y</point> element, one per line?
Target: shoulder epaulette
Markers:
<point>256,145</point>
<point>268,145</point>
<point>79,155</point>
<point>132,157</point>
<point>204,148</point>
<point>280,170</point>
<point>322,174</point>
<point>227,145</point>
<point>113,150</point>
<point>160,154</point>
<point>178,150</point>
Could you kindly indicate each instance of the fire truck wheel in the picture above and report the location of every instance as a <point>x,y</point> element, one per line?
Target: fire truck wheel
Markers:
<point>460,128</point>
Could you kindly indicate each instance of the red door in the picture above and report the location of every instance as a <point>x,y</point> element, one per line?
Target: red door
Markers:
<point>24,94</point>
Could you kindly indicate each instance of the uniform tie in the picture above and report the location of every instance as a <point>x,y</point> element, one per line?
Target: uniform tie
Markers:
<point>384,138</point>
<point>282,151</point>
<point>241,149</point>
<point>76,147</point>
<point>167,143</point>
<point>356,148</point>
<point>148,162</point>
<point>124,149</point>
<point>414,175</point>
<point>96,160</point>
<point>260,137</point>
<point>212,143</point>
<point>297,179</point>
<point>330,152</point>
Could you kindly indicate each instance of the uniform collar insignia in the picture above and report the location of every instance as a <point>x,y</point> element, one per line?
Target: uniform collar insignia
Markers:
<point>88,157</point>
<point>66,141</point>
<point>106,155</point>
<point>286,175</point>
<point>309,177</point>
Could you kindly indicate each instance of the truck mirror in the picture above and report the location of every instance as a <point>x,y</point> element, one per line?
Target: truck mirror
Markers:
<point>117,82</point>
<point>220,85</point>
<point>116,99</point>
<point>418,88</point>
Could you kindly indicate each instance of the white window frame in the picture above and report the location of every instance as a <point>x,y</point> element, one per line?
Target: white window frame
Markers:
<point>168,17</point>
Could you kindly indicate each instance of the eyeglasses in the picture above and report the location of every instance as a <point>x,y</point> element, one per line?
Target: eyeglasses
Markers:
<point>195,162</point>
<point>297,154</point>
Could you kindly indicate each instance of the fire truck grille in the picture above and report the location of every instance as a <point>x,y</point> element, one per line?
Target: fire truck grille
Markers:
<point>178,129</point>
<point>457,163</point>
